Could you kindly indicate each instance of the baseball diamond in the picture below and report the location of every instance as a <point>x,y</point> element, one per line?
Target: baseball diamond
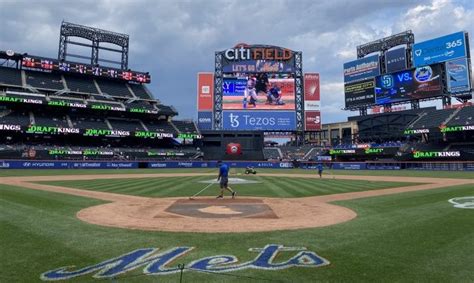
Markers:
<point>223,141</point>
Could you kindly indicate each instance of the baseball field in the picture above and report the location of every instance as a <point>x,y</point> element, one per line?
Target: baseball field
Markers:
<point>285,225</point>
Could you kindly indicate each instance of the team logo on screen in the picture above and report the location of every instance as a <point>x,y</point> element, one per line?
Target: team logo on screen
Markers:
<point>234,148</point>
<point>423,74</point>
<point>387,81</point>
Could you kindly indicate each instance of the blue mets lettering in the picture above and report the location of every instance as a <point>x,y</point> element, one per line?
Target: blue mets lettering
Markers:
<point>155,263</point>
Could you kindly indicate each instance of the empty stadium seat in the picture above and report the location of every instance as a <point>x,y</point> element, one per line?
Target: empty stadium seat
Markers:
<point>140,91</point>
<point>432,119</point>
<point>127,125</point>
<point>464,117</point>
<point>21,118</point>
<point>50,119</point>
<point>10,76</point>
<point>88,122</point>
<point>161,126</point>
<point>185,126</point>
<point>114,88</point>
<point>80,84</point>
<point>44,80</point>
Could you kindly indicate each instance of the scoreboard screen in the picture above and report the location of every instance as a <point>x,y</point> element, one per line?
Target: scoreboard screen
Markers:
<point>45,64</point>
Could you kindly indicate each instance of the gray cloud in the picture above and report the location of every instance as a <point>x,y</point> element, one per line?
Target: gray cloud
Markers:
<point>174,40</point>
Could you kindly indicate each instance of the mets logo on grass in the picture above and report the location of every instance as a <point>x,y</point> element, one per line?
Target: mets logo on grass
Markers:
<point>463,202</point>
<point>157,263</point>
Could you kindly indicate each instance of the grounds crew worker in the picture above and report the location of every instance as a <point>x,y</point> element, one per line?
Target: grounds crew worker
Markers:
<point>224,179</point>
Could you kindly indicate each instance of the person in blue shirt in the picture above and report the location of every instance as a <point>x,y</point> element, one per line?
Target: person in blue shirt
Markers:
<point>223,179</point>
<point>320,170</point>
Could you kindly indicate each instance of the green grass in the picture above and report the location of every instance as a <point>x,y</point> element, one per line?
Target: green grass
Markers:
<point>402,173</point>
<point>187,186</point>
<point>415,237</point>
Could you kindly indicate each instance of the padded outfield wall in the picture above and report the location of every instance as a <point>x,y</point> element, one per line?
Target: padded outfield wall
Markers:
<point>435,166</point>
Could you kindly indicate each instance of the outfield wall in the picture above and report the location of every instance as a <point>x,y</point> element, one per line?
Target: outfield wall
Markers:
<point>26,164</point>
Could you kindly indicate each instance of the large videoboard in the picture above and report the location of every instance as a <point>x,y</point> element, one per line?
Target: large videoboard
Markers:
<point>418,83</point>
<point>258,89</point>
<point>270,93</point>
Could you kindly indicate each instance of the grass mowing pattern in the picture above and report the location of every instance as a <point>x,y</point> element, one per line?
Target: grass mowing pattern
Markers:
<point>415,237</point>
<point>187,186</point>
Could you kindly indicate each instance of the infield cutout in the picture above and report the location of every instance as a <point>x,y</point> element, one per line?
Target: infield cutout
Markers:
<point>226,208</point>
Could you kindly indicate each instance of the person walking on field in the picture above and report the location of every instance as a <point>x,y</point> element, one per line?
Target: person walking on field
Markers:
<point>223,179</point>
<point>320,170</point>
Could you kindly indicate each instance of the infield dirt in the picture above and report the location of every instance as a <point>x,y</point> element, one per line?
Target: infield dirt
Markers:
<point>225,216</point>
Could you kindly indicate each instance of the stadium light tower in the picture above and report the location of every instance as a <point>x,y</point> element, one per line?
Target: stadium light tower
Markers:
<point>96,37</point>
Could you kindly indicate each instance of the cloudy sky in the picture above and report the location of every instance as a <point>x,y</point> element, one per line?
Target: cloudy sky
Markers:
<point>173,40</point>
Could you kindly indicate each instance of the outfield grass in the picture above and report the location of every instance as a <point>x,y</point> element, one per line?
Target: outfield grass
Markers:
<point>416,237</point>
<point>401,173</point>
<point>267,186</point>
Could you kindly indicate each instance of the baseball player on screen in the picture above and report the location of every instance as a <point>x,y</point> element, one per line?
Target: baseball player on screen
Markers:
<point>250,91</point>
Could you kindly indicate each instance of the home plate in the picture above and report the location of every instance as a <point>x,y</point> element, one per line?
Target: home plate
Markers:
<point>215,209</point>
<point>232,181</point>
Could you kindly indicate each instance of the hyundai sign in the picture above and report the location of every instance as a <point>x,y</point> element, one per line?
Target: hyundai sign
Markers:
<point>440,49</point>
<point>259,120</point>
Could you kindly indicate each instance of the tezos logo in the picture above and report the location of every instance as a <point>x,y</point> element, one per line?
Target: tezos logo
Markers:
<point>423,74</point>
<point>234,122</point>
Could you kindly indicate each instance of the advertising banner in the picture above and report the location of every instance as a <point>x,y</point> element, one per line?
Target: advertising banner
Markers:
<point>244,58</point>
<point>359,93</point>
<point>259,120</point>
<point>396,60</point>
<point>259,66</point>
<point>311,92</point>
<point>439,49</point>
<point>279,94</point>
<point>10,127</point>
<point>418,83</point>
<point>362,69</point>
<point>16,164</point>
<point>457,73</point>
<point>312,120</point>
<point>205,91</point>
<point>205,120</point>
